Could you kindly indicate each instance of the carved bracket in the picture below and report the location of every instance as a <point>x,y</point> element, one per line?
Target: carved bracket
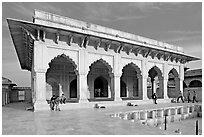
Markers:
<point>108,45</point>
<point>121,47</point>
<point>98,44</point>
<point>130,49</point>
<point>70,39</point>
<point>57,37</point>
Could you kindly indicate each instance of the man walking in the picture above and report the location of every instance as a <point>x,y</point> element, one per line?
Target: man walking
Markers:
<point>52,102</point>
<point>180,96</point>
<point>188,96</point>
<point>194,96</point>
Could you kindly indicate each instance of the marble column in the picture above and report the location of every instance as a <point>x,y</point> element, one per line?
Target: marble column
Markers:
<point>82,89</point>
<point>181,75</point>
<point>144,79</point>
<point>117,88</point>
<point>39,69</point>
<point>165,80</point>
<point>40,91</point>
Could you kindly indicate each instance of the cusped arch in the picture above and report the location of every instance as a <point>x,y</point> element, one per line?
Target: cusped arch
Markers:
<point>174,71</point>
<point>103,62</point>
<point>136,68</point>
<point>159,72</point>
<point>68,59</point>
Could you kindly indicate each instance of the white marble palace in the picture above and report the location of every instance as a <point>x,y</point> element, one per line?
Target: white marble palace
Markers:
<point>91,63</point>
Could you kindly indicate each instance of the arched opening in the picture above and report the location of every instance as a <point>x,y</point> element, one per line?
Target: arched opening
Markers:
<point>99,80</point>
<point>73,89</point>
<point>123,91</point>
<point>131,82</point>
<point>155,83</point>
<point>195,83</point>
<point>61,71</point>
<point>100,87</point>
<point>173,84</point>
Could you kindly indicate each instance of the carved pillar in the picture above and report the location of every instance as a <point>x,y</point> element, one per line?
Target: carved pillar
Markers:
<point>40,91</point>
<point>117,88</point>
<point>154,86</point>
<point>116,78</point>
<point>165,88</point>
<point>165,81</point>
<point>144,79</point>
<point>181,75</point>
<point>39,69</point>
<point>82,88</point>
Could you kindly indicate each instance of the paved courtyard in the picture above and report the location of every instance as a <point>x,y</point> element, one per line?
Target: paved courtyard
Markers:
<point>16,121</point>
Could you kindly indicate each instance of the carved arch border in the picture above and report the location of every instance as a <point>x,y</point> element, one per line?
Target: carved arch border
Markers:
<point>68,60</point>
<point>136,68</point>
<point>110,70</point>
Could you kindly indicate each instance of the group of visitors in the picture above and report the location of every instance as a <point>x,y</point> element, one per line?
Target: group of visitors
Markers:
<point>194,96</point>
<point>55,101</point>
<point>154,97</point>
<point>188,97</point>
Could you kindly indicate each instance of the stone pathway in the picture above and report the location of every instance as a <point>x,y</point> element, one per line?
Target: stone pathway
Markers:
<point>17,121</point>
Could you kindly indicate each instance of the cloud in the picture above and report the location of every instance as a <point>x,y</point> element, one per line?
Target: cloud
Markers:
<point>183,32</point>
<point>21,9</point>
<point>145,6</point>
<point>110,12</point>
<point>117,18</point>
<point>182,39</point>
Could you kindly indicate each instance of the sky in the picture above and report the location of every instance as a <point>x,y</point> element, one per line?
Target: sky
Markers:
<point>176,23</point>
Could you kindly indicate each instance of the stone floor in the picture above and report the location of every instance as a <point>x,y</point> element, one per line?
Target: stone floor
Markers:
<point>17,121</point>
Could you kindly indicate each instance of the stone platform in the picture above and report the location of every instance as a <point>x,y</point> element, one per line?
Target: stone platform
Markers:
<point>85,121</point>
